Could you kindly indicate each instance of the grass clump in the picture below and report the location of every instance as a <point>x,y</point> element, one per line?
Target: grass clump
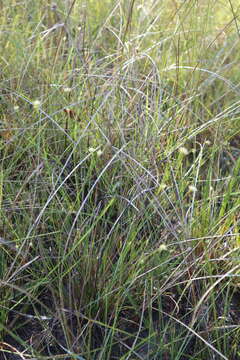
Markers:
<point>119,180</point>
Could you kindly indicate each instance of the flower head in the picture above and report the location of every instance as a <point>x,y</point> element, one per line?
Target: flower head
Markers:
<point>36,104</point>
<point>183,150</point>
<point>192,188</point>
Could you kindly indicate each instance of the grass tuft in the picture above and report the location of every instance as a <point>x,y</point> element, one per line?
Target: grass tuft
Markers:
<point>119,180</point>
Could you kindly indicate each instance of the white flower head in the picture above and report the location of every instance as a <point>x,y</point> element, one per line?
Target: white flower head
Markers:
<point>91,150</point>
<point>99,153</point>
<point>162,248</point>
<point>183,150</point>
<point>67,89</point>
<point>192,188</point>
<point>36,104</point>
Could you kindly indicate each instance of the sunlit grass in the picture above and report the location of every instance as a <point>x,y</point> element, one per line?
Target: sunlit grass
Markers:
<point>119,180</point>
